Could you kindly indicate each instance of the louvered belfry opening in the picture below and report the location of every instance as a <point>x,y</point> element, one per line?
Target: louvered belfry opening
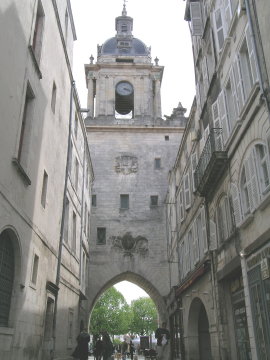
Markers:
<point>7,263</point>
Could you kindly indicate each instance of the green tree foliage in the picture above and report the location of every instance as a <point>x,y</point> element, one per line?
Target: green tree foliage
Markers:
<point>144,316</point>
<point>111,313</point>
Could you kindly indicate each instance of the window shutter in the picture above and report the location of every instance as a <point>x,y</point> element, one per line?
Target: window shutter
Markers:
<point>204,233</point>
<point>217,125</point>
<point>228,14</point>
<point>234,93</point>
<point>182,215</point>
<point>213,235</point>
<point>238,84</point>
<point>219,27</point>
<point>196,19</point>
<point>223,116</point>
<point>254,178</point>
<point>194,162</point>
<point>236,204</point>
<point>187,191</point>
<point>198,98</point>
<point>251,53</point>
<point>205,75</point>
<point>206,133</point>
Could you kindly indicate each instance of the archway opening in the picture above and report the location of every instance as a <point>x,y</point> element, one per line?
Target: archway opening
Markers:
<point>199,342</point>
<point>128,314</point>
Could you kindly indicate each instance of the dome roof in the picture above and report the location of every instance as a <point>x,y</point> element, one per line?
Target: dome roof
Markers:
<point>137,48</point>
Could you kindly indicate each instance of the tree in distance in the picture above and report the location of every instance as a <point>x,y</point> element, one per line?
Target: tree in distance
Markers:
<point>144,316</point>
<point>111,313</point>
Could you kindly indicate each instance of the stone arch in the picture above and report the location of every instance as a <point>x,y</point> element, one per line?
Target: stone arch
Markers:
<point>11,251</point>
<point>199,342</point>
<point>139,281</point>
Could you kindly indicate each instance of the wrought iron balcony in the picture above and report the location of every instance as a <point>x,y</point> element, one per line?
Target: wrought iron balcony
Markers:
<point>211,164</point>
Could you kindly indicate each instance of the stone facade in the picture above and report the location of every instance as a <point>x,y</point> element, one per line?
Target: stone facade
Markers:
<point>220,218</point>
<point>42,264</point>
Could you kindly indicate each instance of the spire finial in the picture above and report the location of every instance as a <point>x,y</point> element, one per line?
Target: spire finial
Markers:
<point>124,12</point>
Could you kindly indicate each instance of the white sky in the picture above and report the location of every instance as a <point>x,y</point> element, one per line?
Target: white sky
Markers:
<point>158,24</point>
<point>130,291</point>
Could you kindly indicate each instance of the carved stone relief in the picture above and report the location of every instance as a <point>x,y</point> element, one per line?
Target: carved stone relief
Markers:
<point>130,245</point>
<point>126,164</point>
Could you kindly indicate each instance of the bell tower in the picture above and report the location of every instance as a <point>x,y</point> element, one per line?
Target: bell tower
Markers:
<point>123,83</point>
<point>132,150</point>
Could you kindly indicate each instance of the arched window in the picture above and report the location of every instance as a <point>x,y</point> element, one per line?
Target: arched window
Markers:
<point>224,219</point>
<point>7,263</point>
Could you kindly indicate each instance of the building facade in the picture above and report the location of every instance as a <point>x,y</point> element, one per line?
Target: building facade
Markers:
<point>45,184</point>
<point>219,190</point>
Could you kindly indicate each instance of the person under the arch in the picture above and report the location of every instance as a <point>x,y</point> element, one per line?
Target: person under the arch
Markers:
<point>163,336</point>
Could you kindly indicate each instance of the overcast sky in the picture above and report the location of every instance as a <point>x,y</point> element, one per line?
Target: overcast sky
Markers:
<point>159,24</point>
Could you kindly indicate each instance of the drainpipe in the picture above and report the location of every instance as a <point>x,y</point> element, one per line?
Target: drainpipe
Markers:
<point>214,282</point>
<point>57,280</point>
<point>264,83</point>
<point>82,212</point>
<point>251,332</point>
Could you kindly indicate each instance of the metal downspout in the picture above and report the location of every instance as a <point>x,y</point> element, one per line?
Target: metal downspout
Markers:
<point>82,212</point>
<point>57,280</point>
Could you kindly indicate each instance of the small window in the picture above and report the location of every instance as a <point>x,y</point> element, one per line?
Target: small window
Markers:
<point>101,236</point>
<point>66,24</point>
<point>153,200</point>
<point>124,28</point>
<point>66,221</point>
<point>35,270</point>
<point>70,158</point>
<point>38,32</point>
<point>53,100</point>
<point>44,189</point>
<point>157,163</point>
<point>76,125</point>
<point>26,125</point>
<point>124,201</point>
<point>76,173</point>
<point>167,138</point>
<point>94,200</point>
<point>74,230</point>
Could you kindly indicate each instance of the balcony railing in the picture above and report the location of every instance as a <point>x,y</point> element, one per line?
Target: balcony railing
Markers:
<point>211,164</point>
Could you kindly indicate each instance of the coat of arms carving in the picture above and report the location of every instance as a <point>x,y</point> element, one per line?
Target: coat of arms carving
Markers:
<point>130,245</point>
<point>126,164</point>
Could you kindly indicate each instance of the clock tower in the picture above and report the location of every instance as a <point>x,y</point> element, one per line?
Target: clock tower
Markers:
<point>123,83</point>
<point>132,150</point>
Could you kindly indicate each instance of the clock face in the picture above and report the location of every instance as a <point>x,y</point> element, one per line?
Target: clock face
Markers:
<point>124,88</point>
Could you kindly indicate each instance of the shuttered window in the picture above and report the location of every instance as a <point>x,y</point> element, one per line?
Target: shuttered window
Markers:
<point>219,29</point>
<point>187,191</point>
<point>236,204</point>
<point>196,19</point>
<point>217,125</point>
<point>7,263</point>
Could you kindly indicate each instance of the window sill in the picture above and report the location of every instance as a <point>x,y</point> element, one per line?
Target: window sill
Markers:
<point>265,201</point>
<point>33,56</point>
<point>248,219</point>
<point>6,330</point>
<point>21,171</point>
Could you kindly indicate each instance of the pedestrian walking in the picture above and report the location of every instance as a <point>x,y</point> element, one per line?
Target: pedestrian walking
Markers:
<point>131,349</point>
<point>163,336</point>
<point>98,349</point>
<point>108,348</point>
<point>81,350</point>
